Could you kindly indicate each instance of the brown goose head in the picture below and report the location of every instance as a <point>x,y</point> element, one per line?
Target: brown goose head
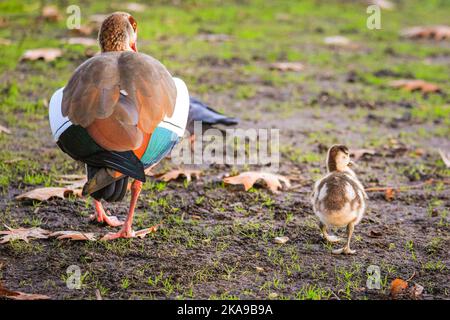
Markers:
<point>338,158</point>
<point>118,33</point>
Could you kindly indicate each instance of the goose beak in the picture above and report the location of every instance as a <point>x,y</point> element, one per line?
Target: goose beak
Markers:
<point>133,47</point>
<point>352,164</point>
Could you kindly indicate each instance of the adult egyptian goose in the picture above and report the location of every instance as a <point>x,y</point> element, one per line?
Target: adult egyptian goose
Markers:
<point>120,113</point>
<point>339,198</point>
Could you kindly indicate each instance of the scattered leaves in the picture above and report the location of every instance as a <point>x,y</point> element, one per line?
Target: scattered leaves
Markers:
<point>73,235</point>
<point>287,66</point>
<point>44,194</point>
<point>175,173</point>
<point>4,130</point>
<point>249,178</point>
<point>427,32</point>
<point>281,240</point>
<point>51,13</point>
<point>47,54</point>
<point>23,234</point>
<point>17,295</point>
<point>444,155</point>
<point>415,85</point>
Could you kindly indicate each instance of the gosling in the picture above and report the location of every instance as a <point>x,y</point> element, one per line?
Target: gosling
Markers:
<point>339,198</point>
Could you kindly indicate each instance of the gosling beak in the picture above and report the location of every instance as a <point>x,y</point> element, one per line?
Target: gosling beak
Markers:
<point>352,164</point>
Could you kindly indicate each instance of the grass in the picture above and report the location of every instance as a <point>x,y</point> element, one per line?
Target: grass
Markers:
<point>229,237</point>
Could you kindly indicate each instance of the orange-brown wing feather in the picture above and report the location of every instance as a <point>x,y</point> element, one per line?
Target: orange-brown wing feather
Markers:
<point>118,121</point>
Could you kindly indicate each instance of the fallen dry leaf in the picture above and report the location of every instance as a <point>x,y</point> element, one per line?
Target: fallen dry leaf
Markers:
<point>359,153</point>
<point>4,130</point>
<point>47,54</point>
<point>415,85</point>
<point>23,234</point>
<point>142,233</point>
<point>389,194</point>
<point>287,66</point>
<point>281,240</point>
<point>248,179</point>
<point>17,295</point>
<point>445,157</point>
<point>5,42</point>
<point>73,235</point>
<point>427,32</point>
<point>174,174</point>
<point>417,291</point>
<point>337,41</point>
<point>398,286</point>
<point>84,41</point>
<point>383,4</point>
<point>82,31</point>
<point>51,13</point>
<point>213,37</point>
<point>131,6</point>
<point>43,194</point>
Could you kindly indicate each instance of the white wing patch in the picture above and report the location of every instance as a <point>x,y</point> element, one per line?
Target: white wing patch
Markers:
<point>349,192</point>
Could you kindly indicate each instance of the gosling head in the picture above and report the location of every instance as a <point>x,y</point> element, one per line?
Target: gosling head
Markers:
<point>118,33</point>
<point>338,159</point>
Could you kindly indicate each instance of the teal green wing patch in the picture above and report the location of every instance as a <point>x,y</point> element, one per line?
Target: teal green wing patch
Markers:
<point>161,144</point>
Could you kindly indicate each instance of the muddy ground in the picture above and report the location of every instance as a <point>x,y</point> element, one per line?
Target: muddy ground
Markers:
<point>217,241</point>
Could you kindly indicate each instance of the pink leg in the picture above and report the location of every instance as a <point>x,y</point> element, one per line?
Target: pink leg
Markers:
<point>102,217</point>
<point>127,231</point>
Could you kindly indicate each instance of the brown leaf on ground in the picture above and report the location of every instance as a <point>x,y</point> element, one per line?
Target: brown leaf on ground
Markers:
<point>417,291</point>
<point>23,234</point>
<point>359,153</point>
<point>281,240</point>
<point>445,157</point>
<point>84,41</point>
<point>142,233</point>
<point>389,194</point>
<point>17,295</point>
<point>287,66</point>
<point>338,41</point>
<point>82,31</point>
<point>4,130</point>
<point>73,235</point>
<point>248,179</point>
<point>174,174</point>
<point>415,85</point>
<point>5,42</point>
<point>383,4</point>
<point>47,54</point>
<point>131,6</point>
<point>51,13</point>
<point>213,37</point>
<point>427,32</point>
<point>398,286</point>
<point>44,194</point>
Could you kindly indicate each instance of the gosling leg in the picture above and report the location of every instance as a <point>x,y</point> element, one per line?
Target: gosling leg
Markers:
<point>346,249</point>
<point>328,237</point>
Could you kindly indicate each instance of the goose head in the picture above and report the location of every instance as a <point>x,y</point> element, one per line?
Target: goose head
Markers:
<point>118,33</point>
<point>338,159</point>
